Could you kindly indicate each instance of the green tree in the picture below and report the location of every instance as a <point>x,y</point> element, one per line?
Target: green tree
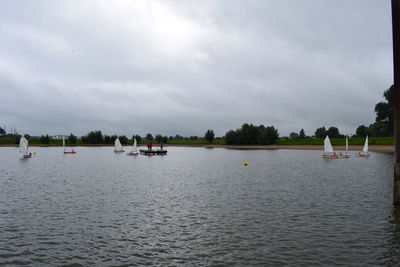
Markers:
<point>2,131</point>
<point>384,121</point>
<point>45,139</point>
<point>123,139</point>
<point>333,132</point>
<point>165,139</point>
<point>362,131</point>
<point>17,138</point>
<point>107,139</point>
<point>149,137</point>
<point>293,135</point>
<point>138,138</point>
<point>209,136</point>
<point>252,135</point>
<point>72,139</point>
<point>159,138</point>
<point>320,132</point>
<point>95,137</point>
<point>302,134</point>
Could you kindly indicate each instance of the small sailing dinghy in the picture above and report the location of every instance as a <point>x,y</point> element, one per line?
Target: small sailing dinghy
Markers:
<point>118,146</point>
<point>68,152</point>
<point>134,149</point>
<point>364,153</point>
<point>328,150</point>
<point>23,148</point>
<point>346,154</point>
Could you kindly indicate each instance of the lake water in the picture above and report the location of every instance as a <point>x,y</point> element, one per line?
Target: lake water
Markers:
<point>196,207</point>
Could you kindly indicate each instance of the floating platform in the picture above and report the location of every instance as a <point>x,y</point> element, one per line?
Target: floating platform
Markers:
<point>153,152</point>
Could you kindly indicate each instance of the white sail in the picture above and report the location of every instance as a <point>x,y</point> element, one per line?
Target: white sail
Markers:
<point>365,149</point>
<point>347,144</point>
<point>23,145</point>
<point>64,144</point>
<point>327,145</point>
<point>118,145</point>
<point>134,145</point>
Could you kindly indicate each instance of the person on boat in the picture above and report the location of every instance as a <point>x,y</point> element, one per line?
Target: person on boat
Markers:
<point>340,154</point>
<point>149,145</point>
<point>161,145</point>
<point>334,154</point>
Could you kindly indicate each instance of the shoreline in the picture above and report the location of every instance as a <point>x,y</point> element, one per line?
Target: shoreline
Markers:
<point>372,148</point>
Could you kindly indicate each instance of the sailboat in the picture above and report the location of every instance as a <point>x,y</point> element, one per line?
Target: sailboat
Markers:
<point>68,152</point>
<point>364,152</point>
<point>134,149</point>
<point>118,146</point>
<point>23,147</point>
<point>346,154</point>
<point>328,150</point>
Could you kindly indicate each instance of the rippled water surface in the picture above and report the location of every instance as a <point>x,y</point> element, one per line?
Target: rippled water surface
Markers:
<point>196,207</point>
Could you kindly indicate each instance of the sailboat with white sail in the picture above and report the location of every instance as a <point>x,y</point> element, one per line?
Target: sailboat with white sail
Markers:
<point>364,153</point>
<point>23,147</point>
<point>346,154</point>
<point>328,150</point>
<point>68,152</point>
<point>118,146</point>
<point>134,148</point>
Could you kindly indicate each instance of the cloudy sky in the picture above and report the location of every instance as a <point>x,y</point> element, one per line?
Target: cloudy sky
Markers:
<point>182,67</point>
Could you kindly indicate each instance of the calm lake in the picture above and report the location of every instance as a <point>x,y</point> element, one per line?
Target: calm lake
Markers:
<point>196,207</point>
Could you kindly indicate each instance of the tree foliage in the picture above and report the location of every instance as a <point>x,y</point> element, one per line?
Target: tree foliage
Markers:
<point>252,135</point>
<point>293,135</point>
<point>209,135</point>
<point>149,137</point>
<point>362,131</point>
<point>72,139</point>
<point>93,137</point>
<point>320,132</point>
<point>333,132</point>
<point>138,138</point>
<point>384,121</point>
<point>159,138</point>
<point>123,139</point>
<point>302,134</point>
<point>45,139</point>
<point>2,131</point>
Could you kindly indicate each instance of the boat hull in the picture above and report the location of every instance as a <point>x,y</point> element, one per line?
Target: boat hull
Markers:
<point>153,152</point>
<point>132,154</point>
<point>119,151</point>
<point>69,152</point>
<point>363,155</point>
<point>329,156</point>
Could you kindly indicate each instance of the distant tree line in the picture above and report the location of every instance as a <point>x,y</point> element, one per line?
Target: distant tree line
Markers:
<point>251,134</point>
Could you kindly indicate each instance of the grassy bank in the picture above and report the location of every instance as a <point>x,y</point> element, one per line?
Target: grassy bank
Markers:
<point>56,142</point>
<point>338,141</point>
<point>219,141</point>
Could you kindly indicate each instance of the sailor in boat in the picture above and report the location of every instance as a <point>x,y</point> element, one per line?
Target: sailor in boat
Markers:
<point>149,145</point>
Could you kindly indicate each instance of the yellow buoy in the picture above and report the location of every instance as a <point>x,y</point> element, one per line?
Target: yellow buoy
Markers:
<point>245,163</point>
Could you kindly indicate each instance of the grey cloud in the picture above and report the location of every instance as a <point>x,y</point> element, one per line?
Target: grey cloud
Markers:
<point>182,67</point>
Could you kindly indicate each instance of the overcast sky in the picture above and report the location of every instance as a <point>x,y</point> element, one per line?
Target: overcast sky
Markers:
<point>182,67</point>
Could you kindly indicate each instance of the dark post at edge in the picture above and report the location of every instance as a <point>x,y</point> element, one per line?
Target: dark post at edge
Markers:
<point>396,73</point>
